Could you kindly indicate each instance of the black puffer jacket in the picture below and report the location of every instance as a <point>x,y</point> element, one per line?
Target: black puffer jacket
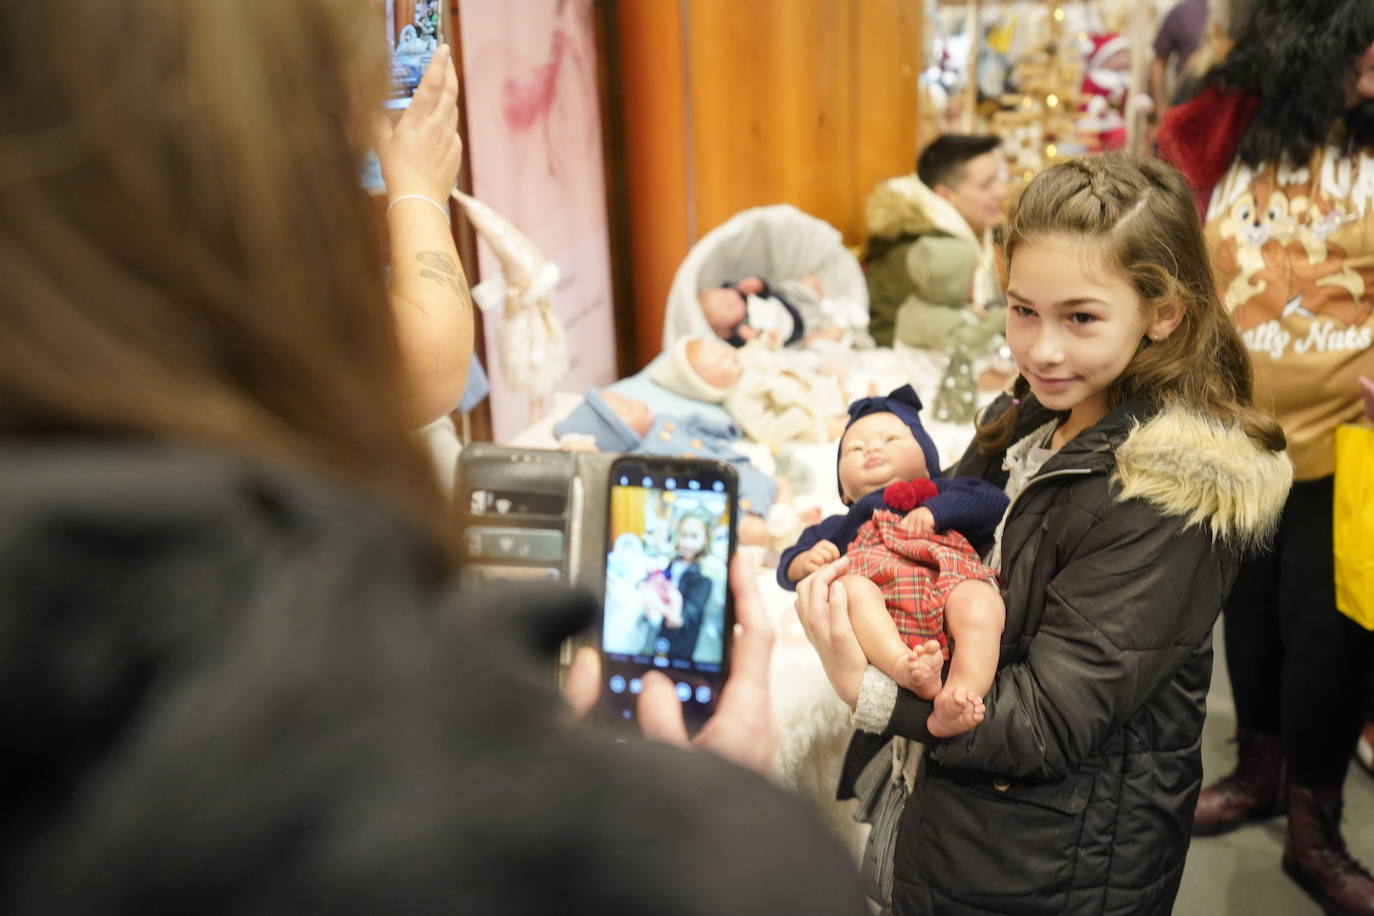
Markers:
<point>1076,794</point>
<point>231,689</point>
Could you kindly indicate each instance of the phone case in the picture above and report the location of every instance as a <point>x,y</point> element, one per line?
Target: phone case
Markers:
<point>533,514</point>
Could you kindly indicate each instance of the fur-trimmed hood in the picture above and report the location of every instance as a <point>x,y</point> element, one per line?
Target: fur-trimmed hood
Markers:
<point>1196,468</point>
<point>905,206</point>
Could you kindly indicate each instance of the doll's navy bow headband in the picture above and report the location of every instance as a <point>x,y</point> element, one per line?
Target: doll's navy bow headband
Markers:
<point>904,403</point>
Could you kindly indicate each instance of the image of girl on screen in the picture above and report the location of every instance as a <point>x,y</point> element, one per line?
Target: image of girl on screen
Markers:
<point>682,594</point>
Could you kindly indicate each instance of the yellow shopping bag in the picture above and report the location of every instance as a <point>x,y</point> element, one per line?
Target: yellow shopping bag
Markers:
<point>1353,524</point>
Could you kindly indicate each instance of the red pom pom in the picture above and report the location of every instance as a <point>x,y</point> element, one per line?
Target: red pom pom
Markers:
<point>903,496</point>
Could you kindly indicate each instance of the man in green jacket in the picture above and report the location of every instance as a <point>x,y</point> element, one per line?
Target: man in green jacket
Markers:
<point>956,194</point>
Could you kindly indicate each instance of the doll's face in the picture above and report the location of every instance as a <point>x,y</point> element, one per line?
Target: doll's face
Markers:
<point>724,309</point>
<point>714,361</point>
<point>635,414</point>
<point>876,450</point>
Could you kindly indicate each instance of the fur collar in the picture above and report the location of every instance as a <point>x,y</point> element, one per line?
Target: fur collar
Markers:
<point>905,206</point>
<point>1193,467</point>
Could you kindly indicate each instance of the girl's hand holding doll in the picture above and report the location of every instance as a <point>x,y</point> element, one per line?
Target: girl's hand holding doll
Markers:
<point>672,611</point>
<point>823,607</point>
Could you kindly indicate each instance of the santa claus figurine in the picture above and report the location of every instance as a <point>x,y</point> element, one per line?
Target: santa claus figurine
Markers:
<point>1106,82</point>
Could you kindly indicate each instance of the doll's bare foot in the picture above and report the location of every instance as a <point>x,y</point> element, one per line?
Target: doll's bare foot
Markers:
<point>925,663</point>
<point>957,710</point>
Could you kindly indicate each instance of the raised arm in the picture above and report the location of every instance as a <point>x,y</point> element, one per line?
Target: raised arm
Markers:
<point>430,302</point>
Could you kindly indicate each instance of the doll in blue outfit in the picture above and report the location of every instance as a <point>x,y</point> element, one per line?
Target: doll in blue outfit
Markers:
<point>607,421</point>
<point>908,533</point>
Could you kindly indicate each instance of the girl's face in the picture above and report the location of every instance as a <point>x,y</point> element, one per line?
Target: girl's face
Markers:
<point>1072,330</point>
<point>691,538</point>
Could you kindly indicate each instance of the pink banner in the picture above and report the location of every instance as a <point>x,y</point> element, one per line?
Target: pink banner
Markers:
<point>534,142</point>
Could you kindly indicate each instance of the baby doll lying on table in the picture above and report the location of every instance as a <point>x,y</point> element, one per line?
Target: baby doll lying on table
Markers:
<point>914,583</point>
<point>788,313</point>
<point>609,422</point>
<point>771,403</point>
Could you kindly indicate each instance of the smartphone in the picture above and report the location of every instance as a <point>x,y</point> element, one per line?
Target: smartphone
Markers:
<point>414,30</point>
<point>670,534</point>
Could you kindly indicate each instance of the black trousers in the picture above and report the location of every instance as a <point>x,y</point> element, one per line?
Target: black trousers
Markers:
<point>1299,667</point>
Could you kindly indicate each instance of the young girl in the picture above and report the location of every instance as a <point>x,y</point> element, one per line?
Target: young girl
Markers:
<point>682,607</point>
<point>1139,473</point>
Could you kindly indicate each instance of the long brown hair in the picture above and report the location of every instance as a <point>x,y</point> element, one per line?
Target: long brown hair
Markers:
<point>1137,218</point>
<point>184,248</point>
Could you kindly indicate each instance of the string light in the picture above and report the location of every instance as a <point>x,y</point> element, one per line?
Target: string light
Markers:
<point>1051,151</point>
<point>1058,14</point>
<point>1051,101</point>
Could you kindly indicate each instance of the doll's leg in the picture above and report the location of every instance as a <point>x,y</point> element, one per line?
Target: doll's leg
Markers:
<point>878,636</point>
<point>974,617</point>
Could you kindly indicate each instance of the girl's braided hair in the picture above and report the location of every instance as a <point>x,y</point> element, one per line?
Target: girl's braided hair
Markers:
<point>1138,219</point>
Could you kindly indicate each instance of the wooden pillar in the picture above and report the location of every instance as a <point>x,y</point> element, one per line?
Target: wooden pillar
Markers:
<point>732,105</point>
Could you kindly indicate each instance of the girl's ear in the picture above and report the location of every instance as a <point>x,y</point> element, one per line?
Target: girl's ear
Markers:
<point>1167,319</point>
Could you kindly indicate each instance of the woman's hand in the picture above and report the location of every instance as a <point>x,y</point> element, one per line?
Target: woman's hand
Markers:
<point>583,684</point>
<point>421,153</point>
<point>1367,387</point>
<point>823,608</point>
<point>742,729</point>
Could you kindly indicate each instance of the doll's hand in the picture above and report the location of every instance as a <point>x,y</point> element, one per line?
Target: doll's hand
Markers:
<point>919,522</point>
<point>421,153</point>
<point>750,286</point>
<point>807,562</point>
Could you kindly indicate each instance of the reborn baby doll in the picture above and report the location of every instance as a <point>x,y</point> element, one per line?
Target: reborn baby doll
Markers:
<point>772,404</point>
<point>611,422</point>
<point>913,579</point>
<point>787,314</point>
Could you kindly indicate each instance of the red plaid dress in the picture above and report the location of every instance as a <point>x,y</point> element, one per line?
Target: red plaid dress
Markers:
<point>915,573</point>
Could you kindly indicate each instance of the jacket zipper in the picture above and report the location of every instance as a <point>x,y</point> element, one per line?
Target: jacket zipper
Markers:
<point>1062,472</point>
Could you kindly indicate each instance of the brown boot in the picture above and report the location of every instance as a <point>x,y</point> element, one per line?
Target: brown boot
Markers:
<point>1250,792</point>
<point>1315,856</point>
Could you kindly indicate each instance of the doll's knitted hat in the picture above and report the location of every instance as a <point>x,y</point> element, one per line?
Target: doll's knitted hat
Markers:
<point>906,405</point>
<point>674,371</point>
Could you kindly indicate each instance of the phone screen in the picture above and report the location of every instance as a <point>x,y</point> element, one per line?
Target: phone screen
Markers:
<point>670,536</point>
<point>414,29</point>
